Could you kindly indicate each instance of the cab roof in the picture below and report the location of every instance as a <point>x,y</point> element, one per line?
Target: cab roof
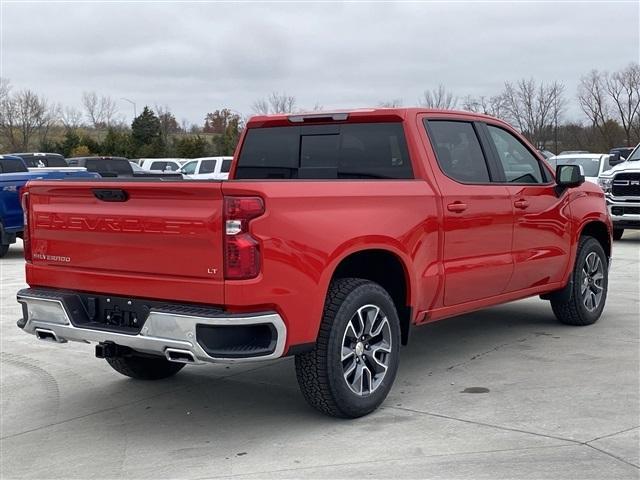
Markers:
<point>357,115</point>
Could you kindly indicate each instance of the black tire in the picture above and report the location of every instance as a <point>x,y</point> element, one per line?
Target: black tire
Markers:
<point>617,233</point>
<point>571,309</point>
<point>321,373</point>
<point>3,250</point>
<point>144,368</point>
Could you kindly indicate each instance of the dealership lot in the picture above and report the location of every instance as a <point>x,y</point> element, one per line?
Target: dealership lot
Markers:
<point>505,392</point>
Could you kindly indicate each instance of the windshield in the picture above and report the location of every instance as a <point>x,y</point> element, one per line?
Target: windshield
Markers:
<point>635,155</point>
<point>189,168</point>
<point>590,165</point>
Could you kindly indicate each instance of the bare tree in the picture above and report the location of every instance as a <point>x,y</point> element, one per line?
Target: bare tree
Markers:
<point>494,105</point>
<point>5,88</point>
<point>91,105</point>
<point>393,103</point>
<point>593,100</point>
<point>109,109</point>
<point>23,114</point>
<point>101,111</point>
<point>71,118</point>
<point>438,98</point>
<point>623,87</point>
<point>274,103</point>
<point>530,106</point>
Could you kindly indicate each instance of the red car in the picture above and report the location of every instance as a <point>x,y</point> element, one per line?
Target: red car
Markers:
<point>336,233</point>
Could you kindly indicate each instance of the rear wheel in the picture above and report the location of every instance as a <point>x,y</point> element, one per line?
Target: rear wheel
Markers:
<point>588,292</point>
<point>354,363</point>
<point>617,233</point>
<point>144,368</point>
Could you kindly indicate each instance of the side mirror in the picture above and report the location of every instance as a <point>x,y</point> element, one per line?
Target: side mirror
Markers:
<point>615,159</point>
<point>569,176</point>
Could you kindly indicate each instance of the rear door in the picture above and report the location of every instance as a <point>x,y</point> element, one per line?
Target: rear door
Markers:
<point>478,215</point>
<point>541,235</point>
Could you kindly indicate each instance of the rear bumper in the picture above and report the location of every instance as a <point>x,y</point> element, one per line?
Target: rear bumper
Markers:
<point>179,336</point>
<point>624,214</point>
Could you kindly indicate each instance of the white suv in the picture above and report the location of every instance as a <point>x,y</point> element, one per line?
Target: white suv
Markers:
<point>214,168</point>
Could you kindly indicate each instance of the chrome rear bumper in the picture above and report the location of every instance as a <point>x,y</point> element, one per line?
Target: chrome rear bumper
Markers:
<point>165,333</point>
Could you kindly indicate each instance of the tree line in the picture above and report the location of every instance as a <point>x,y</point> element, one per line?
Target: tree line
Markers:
<point>609,102</point>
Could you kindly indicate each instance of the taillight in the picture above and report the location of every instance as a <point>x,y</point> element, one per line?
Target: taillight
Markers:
<point>24,200</point>
<point>241,249</point>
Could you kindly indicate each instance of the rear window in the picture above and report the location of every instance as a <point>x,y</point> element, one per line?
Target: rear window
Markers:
<point>347,151</point>
<point>9,165</point>
<point>42,160</point>
<point>109,165</point>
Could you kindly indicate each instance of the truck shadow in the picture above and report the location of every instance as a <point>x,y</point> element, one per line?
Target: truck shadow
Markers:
<point>226,398</point>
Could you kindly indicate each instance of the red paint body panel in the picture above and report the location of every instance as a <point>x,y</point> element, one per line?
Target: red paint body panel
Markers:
<point>165,241</point>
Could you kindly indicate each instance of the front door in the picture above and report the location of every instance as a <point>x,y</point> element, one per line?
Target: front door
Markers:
<point>478,215</point>
<point>541,234</point>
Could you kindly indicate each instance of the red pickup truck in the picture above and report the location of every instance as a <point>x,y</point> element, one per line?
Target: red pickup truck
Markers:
<point>335,234</point>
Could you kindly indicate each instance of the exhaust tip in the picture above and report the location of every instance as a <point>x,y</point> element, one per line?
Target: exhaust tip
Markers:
<point>48,336</point>
<point>179,356</point>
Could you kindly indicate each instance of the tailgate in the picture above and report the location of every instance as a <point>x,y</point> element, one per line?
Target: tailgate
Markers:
<point>145,239</point>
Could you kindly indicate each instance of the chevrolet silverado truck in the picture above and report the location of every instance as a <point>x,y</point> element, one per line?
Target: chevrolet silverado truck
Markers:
<point>336,233</point>
<point>621,186</point>
<point>14,174</point>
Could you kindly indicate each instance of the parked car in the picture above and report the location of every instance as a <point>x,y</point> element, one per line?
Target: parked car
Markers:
<point>336,233</point>
<point>593,164</point>
<point>623,151</point>
<point>161,164</point>
<point>216,168</point>
<point>117,167</point>
<point>621,185</point>
<point>13,176</point>
<point>42,160</point>
<point>573,152</point>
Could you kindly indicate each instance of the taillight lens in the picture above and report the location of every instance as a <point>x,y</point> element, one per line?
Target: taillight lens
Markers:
<point>24,200</point>
<point>242,250</point>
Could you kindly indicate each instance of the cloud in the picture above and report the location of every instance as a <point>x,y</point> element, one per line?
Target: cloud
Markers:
<point>196,57</point>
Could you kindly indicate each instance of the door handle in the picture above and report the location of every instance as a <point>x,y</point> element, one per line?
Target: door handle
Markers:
<point>457,207</point>
<point>521,204</point>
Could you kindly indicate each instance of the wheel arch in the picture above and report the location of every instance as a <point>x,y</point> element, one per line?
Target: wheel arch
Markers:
<point>385,267</point>
<point>598,230</point>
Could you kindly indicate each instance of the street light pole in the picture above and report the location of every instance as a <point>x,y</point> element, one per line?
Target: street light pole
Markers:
<point>134,106</point>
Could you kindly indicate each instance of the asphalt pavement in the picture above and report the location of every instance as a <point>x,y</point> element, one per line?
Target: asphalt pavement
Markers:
<point>507,392</point>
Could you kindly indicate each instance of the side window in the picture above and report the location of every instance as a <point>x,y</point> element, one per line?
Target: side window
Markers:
<point>208,166</point>
<point>189,168</point>
<point>226,166</point>
<point>519,164</point>
<point>458,151</point>
<point>158,166</point>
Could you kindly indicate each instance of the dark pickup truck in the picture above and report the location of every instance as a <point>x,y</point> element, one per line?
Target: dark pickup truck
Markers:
<point>117,167</point>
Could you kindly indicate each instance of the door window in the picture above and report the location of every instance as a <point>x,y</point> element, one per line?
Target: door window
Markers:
<point>190,168</point>
<point>208,166</point>
<point>226,166</point>
<point>458,151</point>
<point>518,163</point>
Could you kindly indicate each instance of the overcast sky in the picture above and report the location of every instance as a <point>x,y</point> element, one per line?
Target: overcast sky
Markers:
<point>197,57</point>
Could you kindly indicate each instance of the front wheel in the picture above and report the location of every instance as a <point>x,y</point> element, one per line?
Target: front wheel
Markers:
<point>354,363</point>
<point>617,233</point>
<point>584,304</point>
<point>3,250</point>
